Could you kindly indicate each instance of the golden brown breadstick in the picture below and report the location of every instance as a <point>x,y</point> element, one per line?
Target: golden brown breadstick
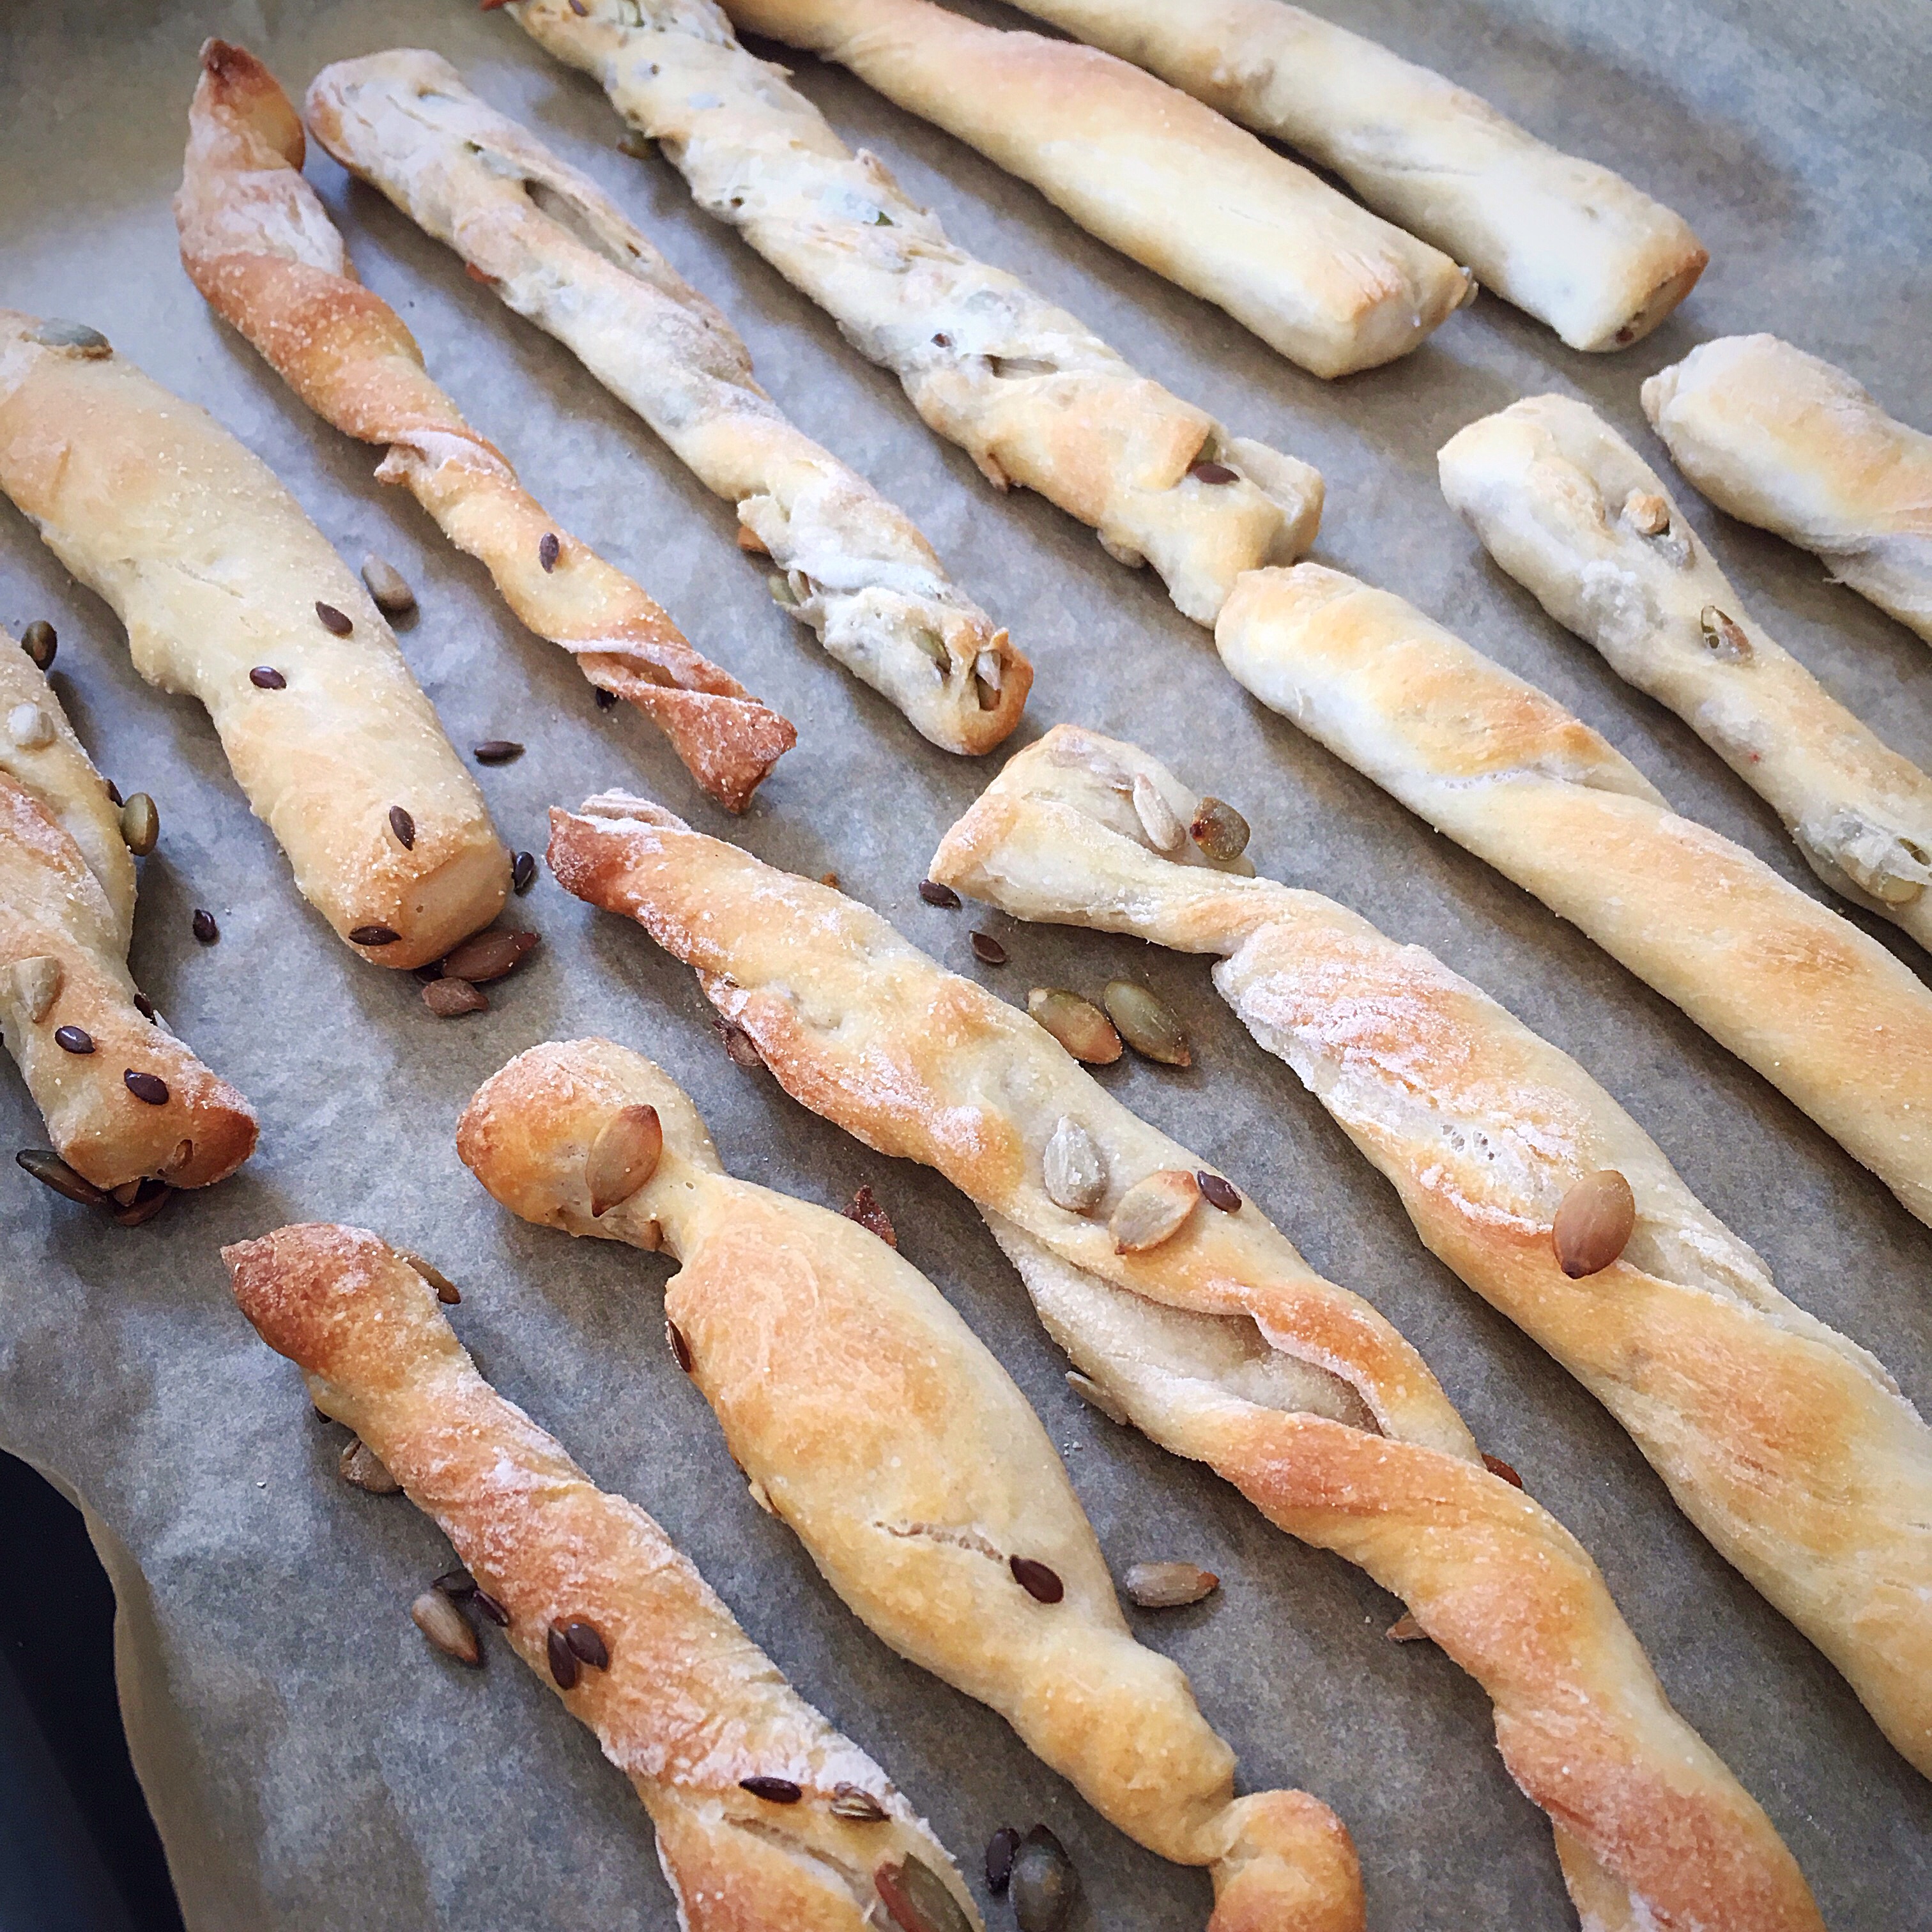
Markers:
<point>124,1099</point>
<point>555,247</point>
<point>230,594</point>
<point>1819,1487</point>
<point>1030,393</point>
<point>867,1416</point>
<point>1840,1027</point>
<point>256,241</point>
<point>742,1778</point>
<point>1214,1336</point>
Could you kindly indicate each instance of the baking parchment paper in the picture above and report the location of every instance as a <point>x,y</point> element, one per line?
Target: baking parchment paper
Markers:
<point>311,1763</point>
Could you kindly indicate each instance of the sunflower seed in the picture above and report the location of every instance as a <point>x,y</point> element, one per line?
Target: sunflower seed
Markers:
<point>623,1157</point>
<point>1164,830</point>
<point>1218,829</point>
<point>772,1790</point>
<point>1077,1024</point>
<point>916,1898</point>
<point>1153,1209</point>
<point>1040,1581</point>
<point>140,824</point>
<point>1646,513</point>
<point>1072,1169</point>
<point>864,1208</point>
<point>360,1465</point>
<point>1095,1396</point>
<point>489,955</point>
<point>446,1290</point>
<point>1594,1223</point>
<point>35,984</point>
<point>1000,1849</point>
<point>1043,1883</point>
<point>1723,636</point>
<point>450,999</point>
<point>150,1198</point>
<point>339,621</point>
<point>47,1168</point>
<point>848,1801</point>
<point>1166,1586</point>
<point>387,586</point>
<point>1146,1024</point>
<point>29,727</point>
<point>447,1628</point>
<point>40,642</point>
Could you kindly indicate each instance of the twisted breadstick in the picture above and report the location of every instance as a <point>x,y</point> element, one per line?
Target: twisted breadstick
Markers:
<point>256,241</point>
<point>1149,170</point>
<point>1818,1487</point>
<point>1026,389</point>
<point>66,913</point>
<point>1572,243</point>
<point>230,594</point>
<point>869,1417</point>
<point>1784,440</point>
<point>1220,1343</point>
<point>558,250</point>
<point>687,1706</point>
<point>1826,1014</point>
<point>1571,511</point>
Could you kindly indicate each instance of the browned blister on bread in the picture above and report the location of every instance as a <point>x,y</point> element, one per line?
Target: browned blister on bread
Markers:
<point>1220,1343</point>
<point>689,1707</point>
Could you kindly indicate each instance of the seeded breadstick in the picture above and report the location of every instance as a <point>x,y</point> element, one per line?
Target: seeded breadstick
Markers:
<point>1149,170</point>
<point>867,1416</point>
<point>1782,440</point>
<point>1205,1326</point>
<point>124,1099</point>
<point>558,250</point>
<point>1818,1488</point>
<point>230,594</point>
<point>1575,244</point>
<point>743,1778</point>
<point>1827,1015</point>
<point>258,243</point>
<point>1571,511</point>
<point>1030,393</point>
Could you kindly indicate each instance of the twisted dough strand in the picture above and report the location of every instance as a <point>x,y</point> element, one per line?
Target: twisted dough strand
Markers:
<point>1222,1344</point>
<point>258,244</point>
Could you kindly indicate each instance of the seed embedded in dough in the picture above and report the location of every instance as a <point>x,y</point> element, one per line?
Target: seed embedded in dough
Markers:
<point>1646,513</point>
<point>37,983</point>
<point>1594,1223</point>
<point>1723,637</point>
<point>623,1157</point>
<point>362,1467</point>
<point>29,727</point>
<point>1077,1024</point>
<point>1158,818</point>
<point>1072,1169</point>
<point>1153,1210</point>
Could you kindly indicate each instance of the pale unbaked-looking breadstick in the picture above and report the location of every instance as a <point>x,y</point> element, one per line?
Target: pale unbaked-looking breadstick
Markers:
<point>1027,390</point>
<point>231,595</point>
<point>686,1706</point>
<point>1571,242</point>
<point>1784,440</point>
<point>867,1416</point>
<point>124,1099</point>
<point>1575,515</point>
<point>1212,1335</point>
<point>1826,1014</point>
<point>556,248</point>
<point>256,241</point>
<point>1149,170</point>
<point>1818,1487</point>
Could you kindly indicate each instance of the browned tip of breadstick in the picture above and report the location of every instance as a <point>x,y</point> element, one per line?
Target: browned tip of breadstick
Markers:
<point>727,744</point>
<point>1290,1866</point>
<point>309,1288</point>
<point>235,82</point>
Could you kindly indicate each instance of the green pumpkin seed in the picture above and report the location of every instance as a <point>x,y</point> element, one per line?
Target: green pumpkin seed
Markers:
<point>140,824</point>
<point>90,343</point>
<point>1146,1023</point>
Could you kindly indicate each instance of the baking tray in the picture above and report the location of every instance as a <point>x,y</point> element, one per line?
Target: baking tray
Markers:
<point>310,1763</point>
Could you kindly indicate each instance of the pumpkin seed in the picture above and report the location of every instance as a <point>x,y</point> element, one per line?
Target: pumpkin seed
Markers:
<point>387,586</point>
<point>1165,831</point>
<point>140,824</point>
<point>1646,513</point>
<point>623,1157</point>
<point>1153,1209</point>
<point>447,1628</point>
<point>1166,1586</point>
<point>989,667</point>
<point>917,1899</point>
<point>1146,1024</point>
<point>1072,1169</point>
<point>1044,1883</point>
<point>782,594</point>
<point>488,955</point>
<point>929,641</point>
<point>446,1290</point>
<point>1077,1024</point>
<point>1218,829</point>
<point>1594,1223</point>
<point>47,1168</point>
<point>90,343</point>
<point>360,1465</point>
<point>450,999</point>
<point>1724,638</point>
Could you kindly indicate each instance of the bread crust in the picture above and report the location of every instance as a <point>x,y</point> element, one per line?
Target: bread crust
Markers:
<point>867,1417</point>
<point>556,249</point>
<point>1830,1017</point>
<point>1569,241</point>
<point>215,570</point>
<point>1783,439</point>
<point>1785,1443</point>
<point>1219,1343</point>
<point>257,242</point>
<point>1567,508</point>
<point>67,914</point>
<point>1026,389</point>
<point>1151,171</point>
<point>689,1705</point>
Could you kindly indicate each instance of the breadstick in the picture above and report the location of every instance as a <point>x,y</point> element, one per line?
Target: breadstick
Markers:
<point>688,1707</point>
<point>68,1007</point>
<point>1827,1015</point>
<point>867,1416</point>
<point>1218,1341</point>
<point>1149,170</point>
<point>558,250</point>
<point>1576,516</point>
<point>1819,1487</point>
<point>230,594</point>
<point>256,241</point>
<point>1782,440</point>
<point>1030,393</point>
<point>1572,243</point>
